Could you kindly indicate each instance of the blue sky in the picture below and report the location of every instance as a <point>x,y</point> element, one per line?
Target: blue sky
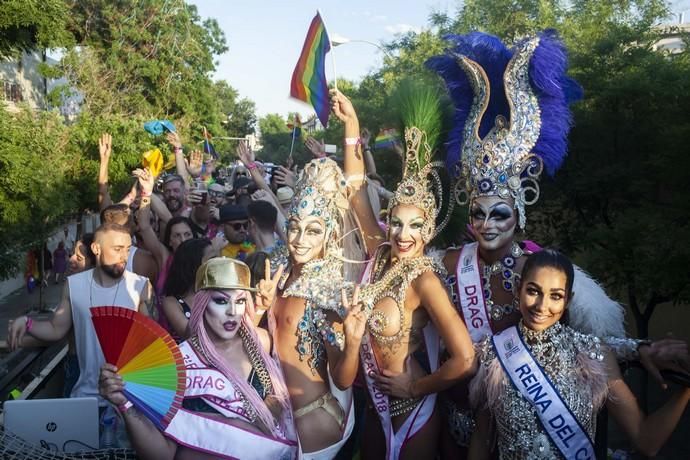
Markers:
<point>265,38</point>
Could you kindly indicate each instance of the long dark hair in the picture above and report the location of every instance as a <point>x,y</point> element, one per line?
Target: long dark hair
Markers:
<point>550,258</point>
<point>175,221</point>
<point>86,240</point>
<point>186,261</point>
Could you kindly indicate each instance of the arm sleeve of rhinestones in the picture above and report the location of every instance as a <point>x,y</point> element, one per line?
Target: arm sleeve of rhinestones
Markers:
<point>624,349</point>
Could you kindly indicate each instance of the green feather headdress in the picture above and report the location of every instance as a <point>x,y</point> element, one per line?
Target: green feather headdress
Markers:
<point>422,111</point>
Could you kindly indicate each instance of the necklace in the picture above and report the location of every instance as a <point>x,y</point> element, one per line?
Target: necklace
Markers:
<point>393,284</point>
<point>117,289</point>
<point>509,281</point>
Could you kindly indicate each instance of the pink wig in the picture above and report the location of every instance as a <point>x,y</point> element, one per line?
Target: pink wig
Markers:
<point>198,328</point>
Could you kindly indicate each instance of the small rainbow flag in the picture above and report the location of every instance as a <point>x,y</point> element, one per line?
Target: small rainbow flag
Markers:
<point>309,77</point>
<point>296,127</point>
<point>208,147</point>
<point>386,138</point>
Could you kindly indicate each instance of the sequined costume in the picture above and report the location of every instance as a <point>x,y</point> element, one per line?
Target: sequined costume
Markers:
<point>574,363</point>
<point>511,123</point>
<point>320,286</point>
<point>322,192</point>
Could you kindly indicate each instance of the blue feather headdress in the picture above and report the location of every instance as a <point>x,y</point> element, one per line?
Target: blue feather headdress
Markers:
<point>511,117</point>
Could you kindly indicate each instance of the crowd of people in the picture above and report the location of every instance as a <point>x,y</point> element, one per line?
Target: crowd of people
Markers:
<point>314,299</point>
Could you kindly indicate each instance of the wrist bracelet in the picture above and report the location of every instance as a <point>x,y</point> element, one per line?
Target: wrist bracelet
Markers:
<point>251,165</point>
<point>352,141</point>
<point>145,194</point>
<point>29,324</point>
<point>122,408</point>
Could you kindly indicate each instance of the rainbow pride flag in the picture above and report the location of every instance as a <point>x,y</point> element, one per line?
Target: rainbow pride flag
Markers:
<point>296,127</point>
<point>309,77</point>
<point>386,138</point>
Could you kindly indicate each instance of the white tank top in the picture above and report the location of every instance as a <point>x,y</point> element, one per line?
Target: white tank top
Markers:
<point>84,293</point>
<point>130,259</point>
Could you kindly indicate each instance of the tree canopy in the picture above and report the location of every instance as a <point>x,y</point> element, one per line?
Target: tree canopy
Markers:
<point>128,61</point>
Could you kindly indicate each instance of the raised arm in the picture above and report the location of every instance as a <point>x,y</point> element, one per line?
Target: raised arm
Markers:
<point>105,145</point>
<point>180,164</point>
<point>247,157</point>
<point>355,171</point>
<point>647,433</point>
<point>158,249</point>
<point>365,136</point>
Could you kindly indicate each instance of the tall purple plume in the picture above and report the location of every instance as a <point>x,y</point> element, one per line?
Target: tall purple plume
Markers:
<point>493,56</point>
<point>547,70</point>
<point>555,91</point>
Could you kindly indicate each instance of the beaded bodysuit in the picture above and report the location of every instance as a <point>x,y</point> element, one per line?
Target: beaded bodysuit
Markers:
<point>574,364</point>
<point>319,284</point>
<point>393,283</point>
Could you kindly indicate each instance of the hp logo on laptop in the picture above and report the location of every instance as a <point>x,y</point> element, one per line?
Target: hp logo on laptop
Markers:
<point>52,426</point>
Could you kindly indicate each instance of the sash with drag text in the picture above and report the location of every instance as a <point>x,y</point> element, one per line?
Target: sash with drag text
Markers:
<point>214,435</point>
<point>529,379</point>
<point>471,293</point>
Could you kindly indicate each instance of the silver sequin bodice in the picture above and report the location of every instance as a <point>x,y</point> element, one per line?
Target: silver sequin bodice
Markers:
<point>560,351</point>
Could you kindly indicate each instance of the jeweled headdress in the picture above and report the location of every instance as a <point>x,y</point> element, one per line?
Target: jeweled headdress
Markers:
<point>422,111</point>
<point>321,191</point>
<point>511,116</point>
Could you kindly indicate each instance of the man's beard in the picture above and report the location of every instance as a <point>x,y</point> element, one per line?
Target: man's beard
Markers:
<point>173,204</point>
<point>114,271</point>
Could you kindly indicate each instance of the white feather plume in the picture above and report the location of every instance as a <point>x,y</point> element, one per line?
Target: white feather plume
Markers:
<point>592,311</point>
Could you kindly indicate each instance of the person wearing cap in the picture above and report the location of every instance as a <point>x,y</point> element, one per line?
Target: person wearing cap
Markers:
<point>236,403</point>
<point>284,195</point>
<point>235,221</point>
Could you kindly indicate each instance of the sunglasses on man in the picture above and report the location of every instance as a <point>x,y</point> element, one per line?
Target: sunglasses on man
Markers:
<point>237,226</point>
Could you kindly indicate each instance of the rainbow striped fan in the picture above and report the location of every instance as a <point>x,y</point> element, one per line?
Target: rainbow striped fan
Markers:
<point>147,358</point>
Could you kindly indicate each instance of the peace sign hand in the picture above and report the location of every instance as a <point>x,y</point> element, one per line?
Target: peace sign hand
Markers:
<point>267,287</point>
<point>355,321</point>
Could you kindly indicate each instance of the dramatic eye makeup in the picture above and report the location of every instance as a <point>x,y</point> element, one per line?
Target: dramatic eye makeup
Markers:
<point>499,212</point>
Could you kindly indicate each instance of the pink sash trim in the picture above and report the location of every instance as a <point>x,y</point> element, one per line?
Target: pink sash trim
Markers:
<point>210,385</point>
<point>217,437</point>
<point>395,441</point>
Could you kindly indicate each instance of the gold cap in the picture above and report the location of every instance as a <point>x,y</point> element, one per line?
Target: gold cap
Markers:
<point>223,273</point>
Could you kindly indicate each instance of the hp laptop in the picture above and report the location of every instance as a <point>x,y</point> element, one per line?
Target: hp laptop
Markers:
<point>58,425</point>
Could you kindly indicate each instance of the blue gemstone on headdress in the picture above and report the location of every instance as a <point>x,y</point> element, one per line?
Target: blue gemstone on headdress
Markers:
<point>507,274</point>
<point>485,185</point>
<point>486,159</point>
<point>487,293</point>
<point>502,178</point>
<point>508,261</point>
<point>507,285</point>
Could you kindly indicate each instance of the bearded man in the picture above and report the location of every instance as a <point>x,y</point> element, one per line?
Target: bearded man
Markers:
<point>108,283</point>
